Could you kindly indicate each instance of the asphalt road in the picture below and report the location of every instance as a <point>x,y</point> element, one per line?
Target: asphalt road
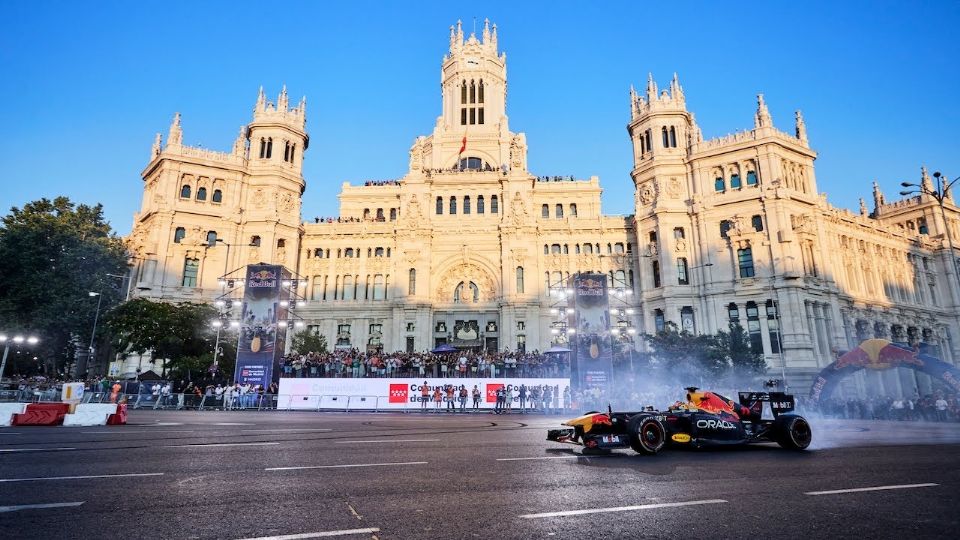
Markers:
<point>248,475</point>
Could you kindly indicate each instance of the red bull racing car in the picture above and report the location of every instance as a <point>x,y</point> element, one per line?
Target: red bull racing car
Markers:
<point>705,418</point>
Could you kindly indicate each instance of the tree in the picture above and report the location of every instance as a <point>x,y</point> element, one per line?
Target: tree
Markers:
<point>178,333</point>
<point>736,346</point>
<point>684,356</point>
<point>52,254</point>
<point>307,341</point>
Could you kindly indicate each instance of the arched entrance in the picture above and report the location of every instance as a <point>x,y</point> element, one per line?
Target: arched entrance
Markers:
<point>880,354</point>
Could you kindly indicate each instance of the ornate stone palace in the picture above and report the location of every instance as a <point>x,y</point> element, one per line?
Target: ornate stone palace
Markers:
<point>467,246</point>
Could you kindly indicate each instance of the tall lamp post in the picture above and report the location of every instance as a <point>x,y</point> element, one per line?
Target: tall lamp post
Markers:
<point>940,192</point>
<point>6,348</point>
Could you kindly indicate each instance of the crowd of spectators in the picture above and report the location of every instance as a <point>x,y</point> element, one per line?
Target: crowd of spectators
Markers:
<point>936,407</point>
<point>356,364</point>
<point>555,179</point>
<point>382,183</point>
<point>336,220</point>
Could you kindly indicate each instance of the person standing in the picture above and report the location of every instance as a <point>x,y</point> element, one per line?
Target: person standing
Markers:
<point>523,397</point>
<point>565,404</point>
<point>424,395</point>
<point>437,398</point>
<point>451,399</point>
<point>547,399</point>
<point>476,397</point>
<point>463,398</point>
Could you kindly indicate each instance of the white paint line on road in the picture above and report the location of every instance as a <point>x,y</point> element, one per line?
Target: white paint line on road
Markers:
<point>150,431</point>
<point>39,506</point>
<point>33,449</point>
<point>346,466</point>
<point>283,430</point>
<point>201,445</point>
<point>539,457</point>
<point>620,509</point>
<point>387,441</point>
<point>79,477</point>
<point>232,424</point>
<point>324,534</point>
<point>877,488</point>
<point>168,424</point>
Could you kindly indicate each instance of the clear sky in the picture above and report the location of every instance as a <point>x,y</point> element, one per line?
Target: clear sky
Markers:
<point>85,85</point>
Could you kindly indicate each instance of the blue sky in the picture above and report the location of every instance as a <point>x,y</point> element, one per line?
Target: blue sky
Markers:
<point>86,85</point>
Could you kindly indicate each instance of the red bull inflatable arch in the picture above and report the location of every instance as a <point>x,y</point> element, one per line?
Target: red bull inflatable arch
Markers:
<point>880,354</point>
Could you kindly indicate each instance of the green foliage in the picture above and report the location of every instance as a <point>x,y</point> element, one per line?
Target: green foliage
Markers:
<point>745,361</point>
<point>52,254</point>
<point>306,341</point>
<point>180,333</point>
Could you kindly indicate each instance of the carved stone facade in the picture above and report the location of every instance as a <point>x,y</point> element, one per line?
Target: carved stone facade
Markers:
<point>731,228</point>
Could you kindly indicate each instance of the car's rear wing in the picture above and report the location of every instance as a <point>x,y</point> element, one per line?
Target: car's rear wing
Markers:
<point>767,405</point>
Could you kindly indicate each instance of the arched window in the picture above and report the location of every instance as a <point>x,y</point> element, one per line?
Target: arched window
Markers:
<point>466,292</point>
<point>480,207</point>
<point>559,211</point>
<point>735,181</point>
<point>281,243</point>
<point>718,184</point>
<point>473,164</point>
<point>286,151</point>
<point>211,238</point>
<point>185,191</point>
<point>725,227</point>
<point>609,249</point>
<point>656,273</point>
<point>393,214</point>
<point>348,253</point>
<point>555,249</point>
<point>217,196</point>
<point>619,278</point>
<point>453,205</point>
<point>745,261</point>
<point>366,214</point>
<point>618,247</point>
<point>682,277</point>
<point>573,210</point>
<point>202,194</point>
<point>566,249</point>
<point>379,214</point>
<point>546,249</point>
<point>576,249</point>
<point>659,321</point>
<point>349,289</point>
<point>269,147</point>
<point>588,249</point>
<point>412,282</point>
<point>733,313</point>
<point>318,253</point>
<point>666,138</point>
<point>466,204</point>
<point>648,134</point>
<point>293,150</point>
<point>678,233</point>
<point>255,241</point>
<point>378,252</point>
<point>439,205</point>
<point>263,148</point>
<point>757,222</point>
<point>520,279</point>
<point>673,137</point>
<point>751,178</point>
<point>494,205</point>
<point>179,234</point>
<point>545,211</point>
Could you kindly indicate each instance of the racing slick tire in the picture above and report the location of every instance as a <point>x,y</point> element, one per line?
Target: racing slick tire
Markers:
<point>647,434</point>
<point>793,432</point>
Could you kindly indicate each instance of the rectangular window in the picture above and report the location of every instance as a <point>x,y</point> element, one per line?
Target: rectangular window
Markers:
<point>473,115</point>
<point>773,324</point>
<point>463,116</point>
<point>656,273</point>
<point>410,344</point>
<point>520,279</point>
<point>682,277</point>
<point>745,260</point>
<point>751,178</point>
<point>190,269</point>
<point>480,115</point>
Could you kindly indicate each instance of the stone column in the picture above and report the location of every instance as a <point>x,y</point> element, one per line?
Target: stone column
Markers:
<point>823,332</point>
<point>812,329</point>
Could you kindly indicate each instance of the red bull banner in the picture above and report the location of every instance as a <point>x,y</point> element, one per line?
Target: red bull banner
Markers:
<point>879,354</point>
<point>261,341</point>
<point>592,352</point>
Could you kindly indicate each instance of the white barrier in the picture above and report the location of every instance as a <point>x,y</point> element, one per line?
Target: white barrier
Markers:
<point>90,414</point>
<point>7,410</point>
<point>398,394</point>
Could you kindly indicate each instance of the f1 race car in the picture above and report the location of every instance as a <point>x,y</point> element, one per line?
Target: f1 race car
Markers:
<point>706,418</point>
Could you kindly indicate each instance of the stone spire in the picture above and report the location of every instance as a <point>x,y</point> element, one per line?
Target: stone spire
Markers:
<point>926,184</point>
<point>175,137</point>
<point>801,128</point>
<point>762,118</point>
<point>676,91</point>
<point>261,101</point>
<point>282,100</point>
<point>157,146</point>
<point>697,133</point>
<point>863,207</point>
<point>486,31</point>
<point>651,88</point>
<point>878,199</point>
<point>240,144</point>
<point>493,37</point>
<point>633,102</point>
<point>453,39</point>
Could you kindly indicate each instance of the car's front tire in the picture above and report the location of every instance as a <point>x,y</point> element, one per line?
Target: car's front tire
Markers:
<point>793,432</point>
<point>647,434</point>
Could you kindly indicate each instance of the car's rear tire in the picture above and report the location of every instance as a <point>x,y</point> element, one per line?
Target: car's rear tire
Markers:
<point>647,434</point>
<point>793,432</point>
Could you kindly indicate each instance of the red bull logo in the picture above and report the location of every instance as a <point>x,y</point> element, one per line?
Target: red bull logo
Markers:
<point>878,354</point>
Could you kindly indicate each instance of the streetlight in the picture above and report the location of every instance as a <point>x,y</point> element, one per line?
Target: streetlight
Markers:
<point>18,339</point>
<point>940,192</point>
<point>96,317</point>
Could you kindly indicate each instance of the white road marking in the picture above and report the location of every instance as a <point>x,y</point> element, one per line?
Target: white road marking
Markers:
<point>79,477</point>
<point>387,441</point>
<point>33,449</point>
<point>877,488</point>
<point>342,532</point>
<point>201,445</point>
<point>345,466</point>
<point>232,424</point>
<point>283,430</point>
<point>620,509</point>
<point>39,506</point>
<point>539,457</point>
<point>168,424</point>
<point>151,431</point>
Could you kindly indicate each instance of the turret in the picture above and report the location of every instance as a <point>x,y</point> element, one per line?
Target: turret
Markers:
<point>762,118</point>
<point>277,134</point>
<point>926,184</point>
<point>157,146</point>
<point>878,199</point>
<point>801,128</point>
<point>175,137</point>
<point>660,124</point>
